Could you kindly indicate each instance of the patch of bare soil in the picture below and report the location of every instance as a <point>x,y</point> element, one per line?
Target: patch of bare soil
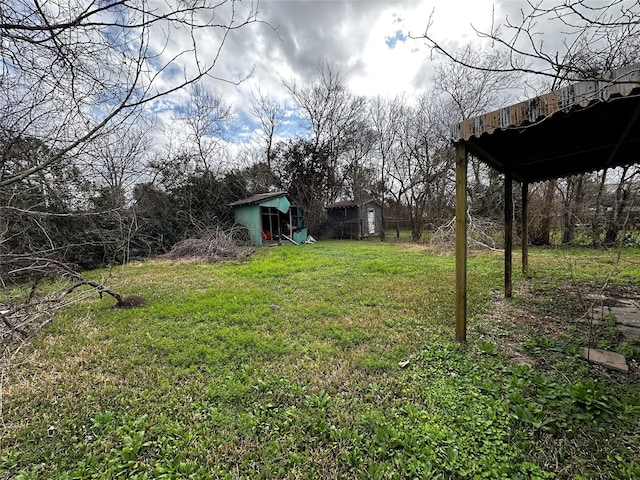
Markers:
<point>559,316</point>
<point>508,325</point>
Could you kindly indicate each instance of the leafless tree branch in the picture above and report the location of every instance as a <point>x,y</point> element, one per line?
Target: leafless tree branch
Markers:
<point>595,39</point>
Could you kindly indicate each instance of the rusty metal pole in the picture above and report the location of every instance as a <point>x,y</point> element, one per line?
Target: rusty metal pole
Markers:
<point>461,242</point>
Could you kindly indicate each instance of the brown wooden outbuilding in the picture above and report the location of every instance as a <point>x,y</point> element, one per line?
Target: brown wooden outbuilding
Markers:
<point>588,126</point>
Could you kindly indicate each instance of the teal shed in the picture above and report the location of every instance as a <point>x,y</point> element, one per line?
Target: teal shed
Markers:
<point>270,219</point>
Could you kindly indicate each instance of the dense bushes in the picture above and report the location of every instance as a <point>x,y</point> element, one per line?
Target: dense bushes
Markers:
<point>48,219</point>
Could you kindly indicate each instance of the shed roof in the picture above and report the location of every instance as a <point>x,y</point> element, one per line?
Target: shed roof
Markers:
<point>583,127</point>
<point>350,203</point>
<point>258,198</point>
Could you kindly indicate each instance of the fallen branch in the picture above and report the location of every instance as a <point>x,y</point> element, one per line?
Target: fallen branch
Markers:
<point>11,326</point>
<point>99,287</point>
<point>479,233</point>
<point>23,319</point>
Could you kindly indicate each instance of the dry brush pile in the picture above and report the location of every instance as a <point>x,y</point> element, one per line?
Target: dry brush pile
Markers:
<point>482,233</point>
<point>214,245</point>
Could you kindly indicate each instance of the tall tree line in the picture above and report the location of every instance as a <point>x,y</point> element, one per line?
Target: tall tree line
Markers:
<point>81,181</point>
<point>120,199</point>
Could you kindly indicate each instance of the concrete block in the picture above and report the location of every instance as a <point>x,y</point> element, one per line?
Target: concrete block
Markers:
<point>611,360</point>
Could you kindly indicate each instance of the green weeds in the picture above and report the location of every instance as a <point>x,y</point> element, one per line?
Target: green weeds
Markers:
<point>286,366</point>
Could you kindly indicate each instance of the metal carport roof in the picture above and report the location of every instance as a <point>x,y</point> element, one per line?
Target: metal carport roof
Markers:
<point>586,126</point>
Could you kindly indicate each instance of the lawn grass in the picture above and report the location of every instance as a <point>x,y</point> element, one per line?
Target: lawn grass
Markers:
<point>286,366</point>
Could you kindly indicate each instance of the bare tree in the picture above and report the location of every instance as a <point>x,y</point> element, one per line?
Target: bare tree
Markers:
<point>113,163</point>
<point>418,165</point>
<point>118,159</point>
<point>594,38</point>
<point>622,198</point>
<point>572,191</point>
<point>70,69</point>
<point>472,92</point>
<point>358,169</point>
<point>541,205</point>
<point>333,117</point>
<point>328,106</point>
<point>384,114</point>
<point>201,119</point>
<point>306,172</point>
<point>270,117</point>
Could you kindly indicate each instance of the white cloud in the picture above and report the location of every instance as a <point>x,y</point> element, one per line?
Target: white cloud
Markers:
<point>368,40</point>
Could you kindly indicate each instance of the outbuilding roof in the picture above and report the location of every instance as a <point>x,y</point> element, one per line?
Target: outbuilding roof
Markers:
<point>586,126</point>
<point>258,198</point>
<point>349,203</point>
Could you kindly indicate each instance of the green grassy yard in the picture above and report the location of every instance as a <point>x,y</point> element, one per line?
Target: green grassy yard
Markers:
<point>286,366</point>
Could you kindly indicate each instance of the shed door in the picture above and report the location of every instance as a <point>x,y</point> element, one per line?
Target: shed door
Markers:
<point>371,221</point>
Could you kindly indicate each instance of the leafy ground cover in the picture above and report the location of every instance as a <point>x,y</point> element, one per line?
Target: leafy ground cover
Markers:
<point>287,366</point>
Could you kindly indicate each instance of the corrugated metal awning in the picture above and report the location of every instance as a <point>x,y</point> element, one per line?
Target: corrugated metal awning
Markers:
<point>583,127</point>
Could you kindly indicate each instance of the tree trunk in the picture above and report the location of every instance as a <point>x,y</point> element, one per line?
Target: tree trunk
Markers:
<point>573,204</point>
<point>543,235</point>
<point>595,221</point>
<point>614,220</point>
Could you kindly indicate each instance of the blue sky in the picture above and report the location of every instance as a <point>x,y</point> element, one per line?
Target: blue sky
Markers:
<point>399,36</point>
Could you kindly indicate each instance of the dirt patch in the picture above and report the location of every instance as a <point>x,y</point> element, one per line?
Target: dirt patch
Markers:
<point>556,321</point>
